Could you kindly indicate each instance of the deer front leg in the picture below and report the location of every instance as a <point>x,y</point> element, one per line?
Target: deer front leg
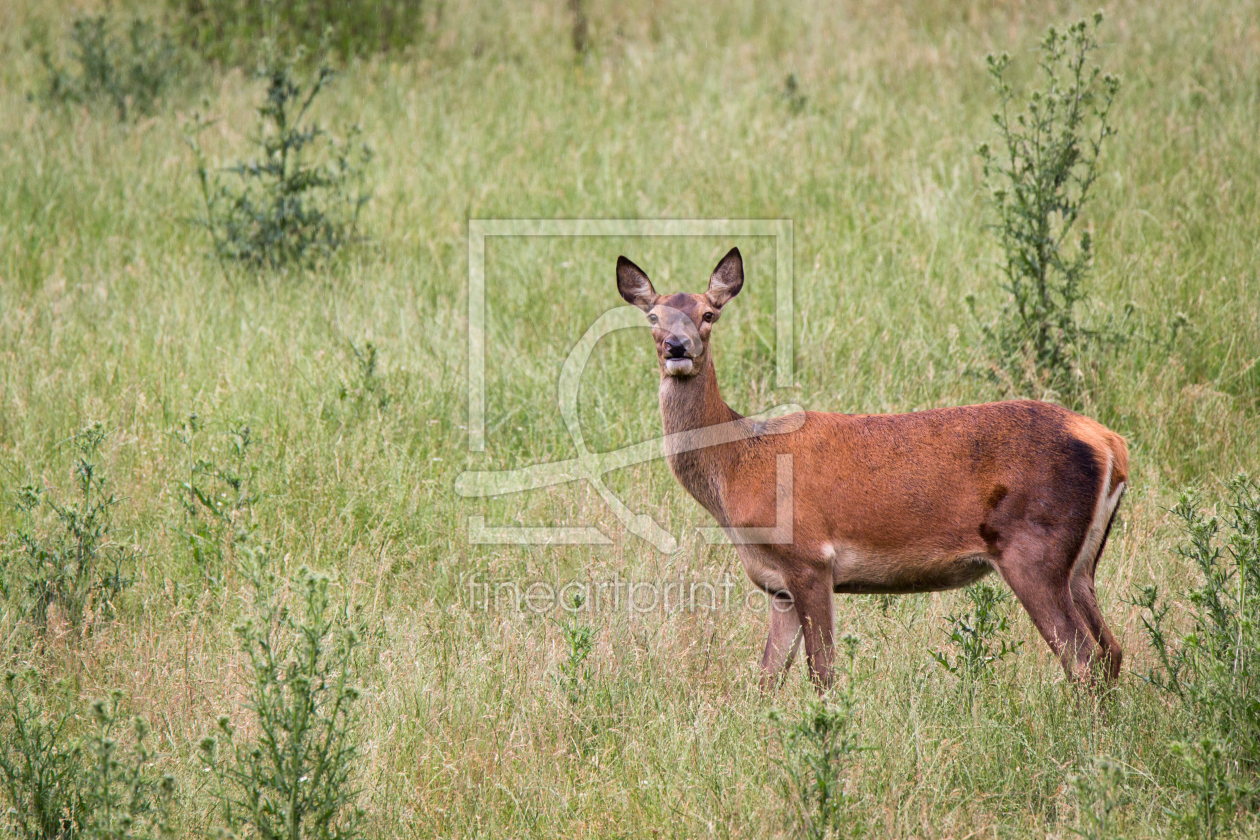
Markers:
<point>783,639</point>
<point>812,593</point>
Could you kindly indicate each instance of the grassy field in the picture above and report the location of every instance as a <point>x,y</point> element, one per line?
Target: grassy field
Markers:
<point>114,309</point>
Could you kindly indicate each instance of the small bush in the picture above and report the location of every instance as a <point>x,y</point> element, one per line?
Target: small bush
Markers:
<point>129,72</point>
<point>98,787</point>
<point>794,95</point>
<point>1040,175</point>
<point>218,497</point>
<point>232,30</point>
<point>817,747</point>
<point>973,633</point>
<point>1101,793</point>
<point>299,200</point>
<point>39,764</point>
<point>581,29</point>
<point>120,798</point>
<point>590,705</point>
<point>1213,669</point>
<point>363,387</point>
<point>1214,789</point>
<point>293,779</point>
<point>71,564</point>
<point>579,641</point>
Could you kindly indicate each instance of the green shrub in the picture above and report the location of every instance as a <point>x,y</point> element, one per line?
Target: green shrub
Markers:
<point>1101,793</point>
<point>1212,669</point>
<point>581,29</point>
<point>39,764</point>
<point>579,641</point>
<point>1040,175</point>
<point>129,72</point>
<point>363,387</point>
<point>218,497</point>
<point>120,798</point>
<point>293,779</point>
<point>232,30</point>
<point>794,95</point>
<point>973,633</point>
<point>817,747</point>
<point>71,564</point>
<point>299,200</point>
<point>59,787</point>
<point>590,705</point>
<point>1214,789</point>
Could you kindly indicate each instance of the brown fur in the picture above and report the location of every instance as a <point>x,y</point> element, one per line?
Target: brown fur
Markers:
<point>895,503</point>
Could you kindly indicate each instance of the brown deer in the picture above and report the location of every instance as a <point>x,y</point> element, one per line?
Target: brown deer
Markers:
<point>889,503</point>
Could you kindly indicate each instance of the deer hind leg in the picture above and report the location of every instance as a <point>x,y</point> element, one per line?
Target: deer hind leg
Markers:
<point>1084,595</point>
<point>1039,573</point>
<point>782,641</point>
<point>1110,654</point>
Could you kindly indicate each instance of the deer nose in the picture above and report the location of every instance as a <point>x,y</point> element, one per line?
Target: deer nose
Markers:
<point>675,347</point>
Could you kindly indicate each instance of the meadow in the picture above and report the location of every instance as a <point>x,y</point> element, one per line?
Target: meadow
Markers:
<point>114,309</point>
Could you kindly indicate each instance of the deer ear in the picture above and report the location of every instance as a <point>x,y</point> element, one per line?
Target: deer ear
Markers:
<point>634,285</point>
<point>727,279</point>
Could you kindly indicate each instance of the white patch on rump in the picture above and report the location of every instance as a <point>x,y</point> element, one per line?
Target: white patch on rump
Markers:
<point>1103,510</point>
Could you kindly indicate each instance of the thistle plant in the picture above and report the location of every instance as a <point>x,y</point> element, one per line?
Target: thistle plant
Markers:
<point>298,200</point>
<point>818,747</point>
<point>62,558</point>
<point>63,785</point>
<point>130,72</point>
<point>1040,172</point>
<point>1212,667</point>
<point>974,634</point>
<point>294,778</point>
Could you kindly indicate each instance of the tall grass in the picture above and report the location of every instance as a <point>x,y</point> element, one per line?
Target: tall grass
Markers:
<point>113,309</point>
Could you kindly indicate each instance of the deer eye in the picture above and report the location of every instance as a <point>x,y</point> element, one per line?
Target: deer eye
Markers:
<point>651,319</point>
<point>708,317</point>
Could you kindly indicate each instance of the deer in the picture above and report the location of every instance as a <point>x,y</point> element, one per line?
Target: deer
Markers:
<point>888,503</point>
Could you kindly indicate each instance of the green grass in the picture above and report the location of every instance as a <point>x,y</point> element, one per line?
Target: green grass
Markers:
<point>113,308</point>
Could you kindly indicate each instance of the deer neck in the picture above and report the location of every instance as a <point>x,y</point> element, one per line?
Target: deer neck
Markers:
<point>692,404</point>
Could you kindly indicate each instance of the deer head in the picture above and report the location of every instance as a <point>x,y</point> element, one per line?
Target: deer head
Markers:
<point>682,323</point>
